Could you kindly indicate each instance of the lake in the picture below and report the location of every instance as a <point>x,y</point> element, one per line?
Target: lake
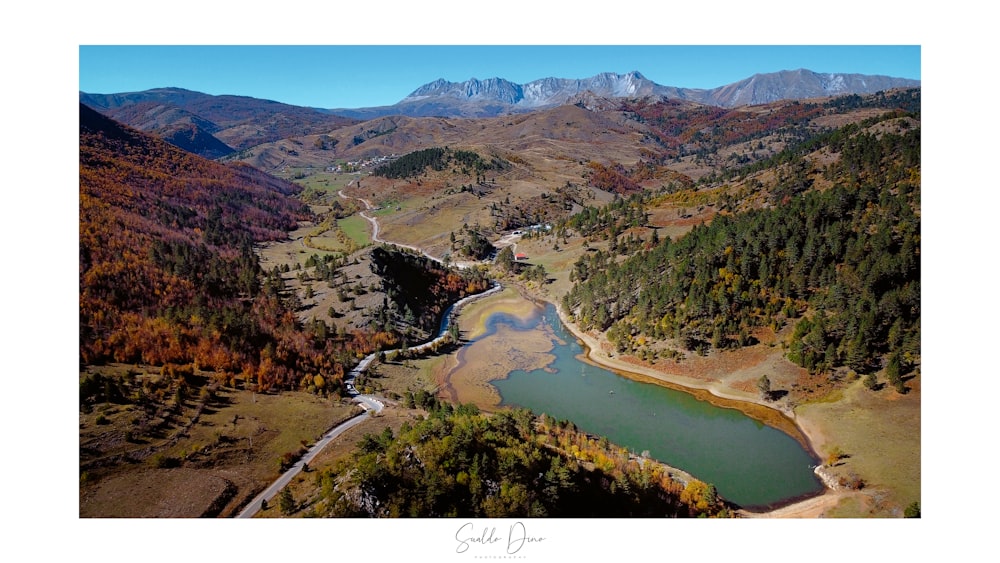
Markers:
<point>750,463</point>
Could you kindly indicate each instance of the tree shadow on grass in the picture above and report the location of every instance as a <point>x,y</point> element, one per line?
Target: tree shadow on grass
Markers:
<point>777,394</point>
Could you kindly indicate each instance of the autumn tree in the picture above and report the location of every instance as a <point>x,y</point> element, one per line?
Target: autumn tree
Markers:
<point>834,456</point>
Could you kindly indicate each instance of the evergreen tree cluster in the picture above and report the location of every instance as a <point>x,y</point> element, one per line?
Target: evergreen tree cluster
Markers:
<point>477,246</point>
<point>412,164</point>
<point>907,100</point>
<point>436,158</point>
<point>460,463</point>
<point>419,289</point>
<point>608,221</point>
<point>848,257</point>
<point>326,267</point>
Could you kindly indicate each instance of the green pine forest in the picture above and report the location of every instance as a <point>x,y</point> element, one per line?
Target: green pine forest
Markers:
<point>842,264</point>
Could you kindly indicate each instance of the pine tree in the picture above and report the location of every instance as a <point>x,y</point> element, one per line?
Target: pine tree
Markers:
<point>764,385</point>
<point>285,501</point>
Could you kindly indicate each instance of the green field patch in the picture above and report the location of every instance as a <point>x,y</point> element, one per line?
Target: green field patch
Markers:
<point>319,186</point>
<point>388,208</point>
<point>355,228</point>
<point>880,433</point>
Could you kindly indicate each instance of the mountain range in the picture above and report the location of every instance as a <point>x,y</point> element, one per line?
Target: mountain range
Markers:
<point>214,126</point>
<point>211,124</point>
<point>495,96</point>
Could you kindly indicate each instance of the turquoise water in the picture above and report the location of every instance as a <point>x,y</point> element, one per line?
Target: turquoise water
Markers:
<point>750,463</point>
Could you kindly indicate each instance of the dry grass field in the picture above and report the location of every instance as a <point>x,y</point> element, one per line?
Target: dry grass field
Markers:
<point>879,435</point>
<point>205,458</point>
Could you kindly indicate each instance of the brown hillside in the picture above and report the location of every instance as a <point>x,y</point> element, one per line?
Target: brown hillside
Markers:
<point>167,271</point>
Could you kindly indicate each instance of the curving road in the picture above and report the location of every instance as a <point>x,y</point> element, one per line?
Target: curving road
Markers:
<point>368,402</point>
<point>375,227</point>
<point>506,240</point>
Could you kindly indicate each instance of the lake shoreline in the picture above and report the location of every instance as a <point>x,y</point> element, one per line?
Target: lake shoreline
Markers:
<point>811,505</point>
<point>805,505</point>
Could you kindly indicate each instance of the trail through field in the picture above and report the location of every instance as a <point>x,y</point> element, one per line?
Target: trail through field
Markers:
<point>506,240</point>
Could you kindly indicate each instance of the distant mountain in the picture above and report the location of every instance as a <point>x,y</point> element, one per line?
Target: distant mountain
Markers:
<point>214,126</point>
<point>800,84</point>
<point>496,96</point>
<point>174,125</point>
<point>539,93</point>
<point>236,122</point>
<point>496,89</point>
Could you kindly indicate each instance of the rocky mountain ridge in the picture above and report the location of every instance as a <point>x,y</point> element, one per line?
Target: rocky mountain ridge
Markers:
<point>496,96</point>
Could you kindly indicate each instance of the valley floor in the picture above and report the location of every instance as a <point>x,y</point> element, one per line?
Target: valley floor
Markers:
<point>876,432</point>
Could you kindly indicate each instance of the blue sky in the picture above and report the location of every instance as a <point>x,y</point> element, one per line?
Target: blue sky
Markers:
<point>344,76</point>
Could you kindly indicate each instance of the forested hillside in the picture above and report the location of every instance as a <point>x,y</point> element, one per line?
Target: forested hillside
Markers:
<point>167,271</point>
<point>842,263</point>
<point>682,128</point>
<point>420,289</point>
<point>168,274</point>
<point>459,463</point>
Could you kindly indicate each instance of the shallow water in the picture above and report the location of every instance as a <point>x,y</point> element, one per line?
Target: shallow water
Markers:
<point>750,463</point>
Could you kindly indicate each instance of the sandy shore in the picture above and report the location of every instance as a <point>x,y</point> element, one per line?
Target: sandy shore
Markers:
<point>467,380</point>
<point>814,507</point>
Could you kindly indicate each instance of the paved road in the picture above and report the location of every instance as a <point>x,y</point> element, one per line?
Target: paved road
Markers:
<point>367,402</point>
